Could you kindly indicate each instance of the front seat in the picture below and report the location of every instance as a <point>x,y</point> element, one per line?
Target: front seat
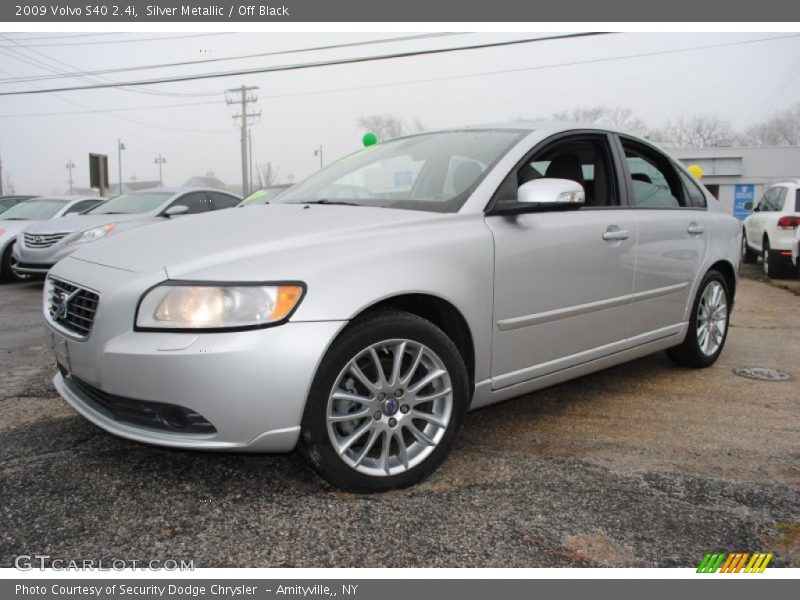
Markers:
<point>565,166</point>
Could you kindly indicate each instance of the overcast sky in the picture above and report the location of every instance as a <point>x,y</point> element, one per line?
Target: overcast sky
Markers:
<point>302,110</point>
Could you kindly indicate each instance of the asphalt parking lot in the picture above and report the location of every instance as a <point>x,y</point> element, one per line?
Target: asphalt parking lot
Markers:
<point>646,464</point>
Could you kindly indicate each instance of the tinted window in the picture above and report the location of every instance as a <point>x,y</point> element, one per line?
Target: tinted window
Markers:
<point>797,201</point>
<point>132,204</point>
<point>196,202</point>
<point>7,203</point>
<point>655,182</point>
<point>583,159</point>
<point>219,201</point>
<point>79,207</point>
<point>693,191</point>
<point>34,210</point>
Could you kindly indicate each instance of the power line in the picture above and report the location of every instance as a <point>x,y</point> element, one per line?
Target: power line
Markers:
<point>110,110</point>
<point>222,59</point>
<point>134,40</point>
<point>308,65</point>
<point>62,37</point>
<point>524,69</point>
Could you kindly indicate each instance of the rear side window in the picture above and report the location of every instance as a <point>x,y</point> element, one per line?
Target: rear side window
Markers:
<point>80,207</point>
<point>655,181</point>
<point>693,192</point>
<point>196,202</point>
<point>797,200</point>
<point>219,201</point>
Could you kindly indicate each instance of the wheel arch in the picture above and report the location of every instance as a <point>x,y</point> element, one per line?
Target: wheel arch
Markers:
<point>441,313</point>
<point>725,268</point>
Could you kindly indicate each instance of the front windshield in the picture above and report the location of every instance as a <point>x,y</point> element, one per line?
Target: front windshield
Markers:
<point>34,210</point>
<point>263,196</point>
<point>132,204</point>
<point>433,171</point>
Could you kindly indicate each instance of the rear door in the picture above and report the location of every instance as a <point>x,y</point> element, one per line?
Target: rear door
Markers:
<point>672,244</point>
<point>563,280</point>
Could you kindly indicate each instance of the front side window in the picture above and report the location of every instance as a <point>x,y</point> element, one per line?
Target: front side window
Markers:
<point>655,181</point>
<point>196,202</point>
<point>219,200</point>
<point>585,159</point>
<point>432,172</point>
<point>34,210</point>
<point>132,204</point>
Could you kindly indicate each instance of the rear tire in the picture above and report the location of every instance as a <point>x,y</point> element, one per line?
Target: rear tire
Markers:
<point>377,432</point>
<point>773,264</point>
<point>708,326</point>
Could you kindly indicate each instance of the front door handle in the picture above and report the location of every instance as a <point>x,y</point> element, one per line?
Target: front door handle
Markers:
<point>695,228</point>
<point>615,234</point>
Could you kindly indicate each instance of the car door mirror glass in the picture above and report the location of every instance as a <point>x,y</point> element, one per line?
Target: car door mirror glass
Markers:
<point>551,193</point>
<point>177,210</point>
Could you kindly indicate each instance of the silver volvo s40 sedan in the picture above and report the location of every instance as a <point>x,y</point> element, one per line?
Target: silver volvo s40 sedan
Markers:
<point>363,313</point>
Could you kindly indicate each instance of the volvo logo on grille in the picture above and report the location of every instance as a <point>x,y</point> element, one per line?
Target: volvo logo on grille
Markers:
<point>60,304</point>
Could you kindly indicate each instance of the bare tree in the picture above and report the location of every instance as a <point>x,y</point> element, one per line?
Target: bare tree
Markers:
<point>781,129</point>
<point>388,127</point>
<point>616,117</point>
<point>266,175</point>
<point>694,131</point>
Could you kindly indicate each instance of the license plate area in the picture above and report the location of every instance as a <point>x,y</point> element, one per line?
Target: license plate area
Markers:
<point>60,349</point>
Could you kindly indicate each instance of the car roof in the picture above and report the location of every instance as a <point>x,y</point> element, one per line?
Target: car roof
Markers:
<point>179,190</point>
<point>64,199</point>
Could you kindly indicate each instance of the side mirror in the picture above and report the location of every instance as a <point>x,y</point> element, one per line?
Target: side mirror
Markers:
<point>748,206</point>
<point>551,194</point>
<point>176,211</point>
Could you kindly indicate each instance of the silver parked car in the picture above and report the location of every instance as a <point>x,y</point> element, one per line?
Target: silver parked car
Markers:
<point>29,213</point>
<point>44,244</point>
<point>467,267</point>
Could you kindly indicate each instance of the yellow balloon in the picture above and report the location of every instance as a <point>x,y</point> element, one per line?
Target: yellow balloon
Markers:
<point>696,172</point>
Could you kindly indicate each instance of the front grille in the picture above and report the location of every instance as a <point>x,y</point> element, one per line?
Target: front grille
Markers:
<point>72,307</point>
<point>153,415</point>
<point>41,240</point>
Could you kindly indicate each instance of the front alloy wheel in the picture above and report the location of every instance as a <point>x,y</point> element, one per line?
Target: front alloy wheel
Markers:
<point>386,405</point>
<point>390,407</point>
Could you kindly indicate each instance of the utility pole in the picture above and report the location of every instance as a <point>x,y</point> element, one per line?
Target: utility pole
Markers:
<point>250,179</point>
<point>244,99</point>
<point>318,152</point>
<point>160,160</point>
<point>70,166</point>
<point>1,176</point>
<point>120,148</point>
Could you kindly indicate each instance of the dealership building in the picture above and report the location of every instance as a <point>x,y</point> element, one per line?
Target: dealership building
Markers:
<point>740,174</point>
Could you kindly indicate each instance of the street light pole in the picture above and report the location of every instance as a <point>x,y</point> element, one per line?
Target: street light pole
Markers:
<point>160,160</point>
<point>120,148</point>
<point>318,152</point>
<point>70,166</point>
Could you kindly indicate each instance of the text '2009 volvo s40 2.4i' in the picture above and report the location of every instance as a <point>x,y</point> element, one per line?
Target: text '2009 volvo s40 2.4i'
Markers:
<point>466,267</point>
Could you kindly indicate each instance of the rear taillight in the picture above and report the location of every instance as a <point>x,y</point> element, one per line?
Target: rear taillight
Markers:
<point>789,222</point>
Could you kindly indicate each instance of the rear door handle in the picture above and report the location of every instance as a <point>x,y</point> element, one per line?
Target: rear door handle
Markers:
<point>695,228</point>
<point>615,234</point>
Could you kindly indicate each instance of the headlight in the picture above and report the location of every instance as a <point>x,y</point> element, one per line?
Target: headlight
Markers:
<point>201,306</point>
<point>92,235</point>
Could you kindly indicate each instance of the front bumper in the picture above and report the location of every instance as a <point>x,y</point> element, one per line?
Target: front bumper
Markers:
<point>251,386</point>
<point>38,261</point>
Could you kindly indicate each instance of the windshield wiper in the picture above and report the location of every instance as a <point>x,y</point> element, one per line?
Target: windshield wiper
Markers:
<point>326,201</point>
<point>16,219</point>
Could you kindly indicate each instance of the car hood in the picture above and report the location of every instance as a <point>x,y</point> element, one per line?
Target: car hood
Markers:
<point>75,223</point>
<point>181,245</point>
<point>13,228</point>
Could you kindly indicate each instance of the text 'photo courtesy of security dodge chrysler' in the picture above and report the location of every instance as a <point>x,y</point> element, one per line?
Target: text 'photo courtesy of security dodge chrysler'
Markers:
<point>359,316</point>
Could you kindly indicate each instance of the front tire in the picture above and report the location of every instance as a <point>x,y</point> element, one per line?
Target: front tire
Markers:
<point>387,404</point>
<point>6,271</point>
<point>748,256</point>
<point>708,326</point>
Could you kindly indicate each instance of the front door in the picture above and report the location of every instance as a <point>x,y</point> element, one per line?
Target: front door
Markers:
<point>563,280</point>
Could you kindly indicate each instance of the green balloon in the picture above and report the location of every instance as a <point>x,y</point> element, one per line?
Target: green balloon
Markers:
<point>369,139</point>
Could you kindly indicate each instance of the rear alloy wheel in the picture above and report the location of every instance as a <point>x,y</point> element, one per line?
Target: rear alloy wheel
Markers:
<point>773,264</point>
<point>387,404</point>
<point>708,327</point>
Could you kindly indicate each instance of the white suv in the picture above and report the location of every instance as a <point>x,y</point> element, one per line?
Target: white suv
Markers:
<point>770,231</point>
